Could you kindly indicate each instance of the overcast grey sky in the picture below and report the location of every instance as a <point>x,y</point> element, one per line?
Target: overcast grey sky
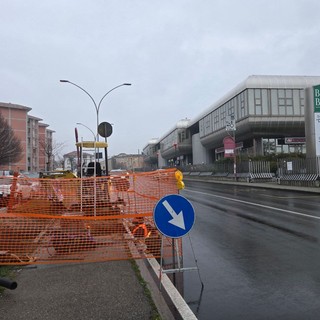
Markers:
<point>180,56</point>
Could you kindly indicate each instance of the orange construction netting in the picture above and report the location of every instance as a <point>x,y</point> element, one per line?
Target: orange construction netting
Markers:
<point>47,221</point>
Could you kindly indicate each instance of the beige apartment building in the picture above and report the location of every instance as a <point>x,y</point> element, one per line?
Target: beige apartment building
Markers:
<point>33,134</point>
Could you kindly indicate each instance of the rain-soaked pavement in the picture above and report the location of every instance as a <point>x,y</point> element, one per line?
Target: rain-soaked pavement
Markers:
<point>258,253</point>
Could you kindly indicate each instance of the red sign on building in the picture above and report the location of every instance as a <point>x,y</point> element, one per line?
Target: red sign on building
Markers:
<point>229,147</point>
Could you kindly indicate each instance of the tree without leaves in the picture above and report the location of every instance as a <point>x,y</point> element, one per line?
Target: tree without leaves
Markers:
<point>58,162</point>
<point>50,149</point>
<point>10,145</point>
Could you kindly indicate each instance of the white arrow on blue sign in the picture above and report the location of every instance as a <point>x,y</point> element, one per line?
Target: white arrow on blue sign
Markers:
<point>174,216</point>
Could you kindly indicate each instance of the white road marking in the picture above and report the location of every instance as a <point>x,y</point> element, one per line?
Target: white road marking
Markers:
<point>255,204</point>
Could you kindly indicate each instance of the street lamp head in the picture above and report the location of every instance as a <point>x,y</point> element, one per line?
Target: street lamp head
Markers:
<point>125,84</point>
<point>81,124</point>
<point>64,80</point>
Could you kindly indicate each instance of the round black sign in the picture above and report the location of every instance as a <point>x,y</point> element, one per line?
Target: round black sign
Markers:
<point>105,129</point>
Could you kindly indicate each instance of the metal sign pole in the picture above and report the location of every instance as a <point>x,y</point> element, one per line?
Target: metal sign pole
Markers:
<point>161,263</point>
<point>173,217</point>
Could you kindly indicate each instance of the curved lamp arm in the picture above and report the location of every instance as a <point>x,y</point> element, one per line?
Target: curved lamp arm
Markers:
<point>120,85</point>
<point>97,107</point>
<point>81,124</point>
<point>67,81</point>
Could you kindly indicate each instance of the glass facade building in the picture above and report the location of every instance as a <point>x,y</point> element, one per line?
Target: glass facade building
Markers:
<point>268,112</point>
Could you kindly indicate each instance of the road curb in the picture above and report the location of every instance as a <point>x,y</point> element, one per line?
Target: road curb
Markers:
<point>169,302</point>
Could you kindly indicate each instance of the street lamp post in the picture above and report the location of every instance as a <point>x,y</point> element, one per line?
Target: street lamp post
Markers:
<point>97,106</point>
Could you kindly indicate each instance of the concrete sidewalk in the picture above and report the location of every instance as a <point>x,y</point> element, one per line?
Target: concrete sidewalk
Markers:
<point>109,290</point>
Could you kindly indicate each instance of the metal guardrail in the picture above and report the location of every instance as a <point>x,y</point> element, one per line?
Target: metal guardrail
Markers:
<point>295,171</point>
<point>278,168</point>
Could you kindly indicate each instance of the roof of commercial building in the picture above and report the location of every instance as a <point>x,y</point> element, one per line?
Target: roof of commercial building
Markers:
<point>183,123</point>
<point>262,82</point>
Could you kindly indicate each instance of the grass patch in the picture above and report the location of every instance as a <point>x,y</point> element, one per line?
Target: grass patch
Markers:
<point>154,311</point>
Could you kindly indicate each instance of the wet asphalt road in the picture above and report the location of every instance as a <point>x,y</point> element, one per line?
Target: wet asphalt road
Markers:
<point>258,252</point>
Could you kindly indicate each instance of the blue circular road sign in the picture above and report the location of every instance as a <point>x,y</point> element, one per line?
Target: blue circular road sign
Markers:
<point>174,216</point>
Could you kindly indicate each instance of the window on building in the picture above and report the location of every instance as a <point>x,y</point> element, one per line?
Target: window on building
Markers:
<point>231,107</point>
<point>216,120</point>
<point>250,101</point>
<point>296,102</point>
<point>244,103</point>
<point>265,102</point>
<point>302,101</point>
<point>207,124</point>
<point>257,102</point>
<point>261,106</point>
<point>201,128</point>
<point>222,116</point>
<point>274,102</point>
<point>269,146</point>
<point>285,102</point>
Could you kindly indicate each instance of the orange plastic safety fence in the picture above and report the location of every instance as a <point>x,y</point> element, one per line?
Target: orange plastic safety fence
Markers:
<point>46,221</point>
